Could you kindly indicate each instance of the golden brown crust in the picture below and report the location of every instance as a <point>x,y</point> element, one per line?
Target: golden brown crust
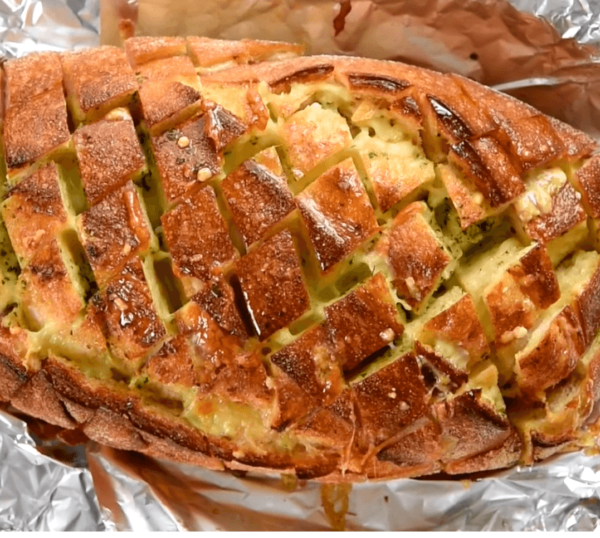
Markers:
<point>462,197</point>
<point>587,181</point>
<point>312,73</point>
<point>327,427</point>
<point>413,254</point>
<point>112,231</point>
<point>220,365</point>
<point>536,277</point>
<point>511,310</point>
<point>406,110</point>
<point>292,401</point>
<point>367,83</point>
<point>388,412</point>
<point>421,449</point>
<point>12,380</point>
<point>141,50</point>
<point>577,143</point>
<point>456,116</point>
<point>503,456</point>
<point>460,326</point>
<point>185,156</point>
<point>488,166</point>
<point>211,52</point>
<point>222,126</point>
<point>390,399</point>
<point>35,127</point>
<point>337,214</point>
<point>98,77</point>
<point>14,373</point>
<point>363,322</point>
<point>37,398</point>
<point>554,357</point>
<point>271,280</point>
<point>34,212</point>
<point>566,213</point>
<point>533,139</point>
<point>198,251</point>
<point>587,306</point>
<point>113,429</point>
<point>48,293</point>
<point>258,197</point>
<point>310,363</point>
<point>109,154</point>
<point>173,364</point>
<point>217,298</point>
<point>516,301</point>
<point>470,426</point>
<point>31,75</point>
<point>167,87</point>
<point>127,316</point>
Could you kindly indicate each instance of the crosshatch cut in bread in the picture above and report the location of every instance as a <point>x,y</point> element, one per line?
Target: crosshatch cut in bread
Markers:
<point>232,255</point>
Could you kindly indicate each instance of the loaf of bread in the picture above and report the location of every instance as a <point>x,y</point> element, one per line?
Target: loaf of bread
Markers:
<point>235,256</point>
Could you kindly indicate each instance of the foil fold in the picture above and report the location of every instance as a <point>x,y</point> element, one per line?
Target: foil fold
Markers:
<point>40,493</point>
<point>542,51</point>
<point>47,25</point>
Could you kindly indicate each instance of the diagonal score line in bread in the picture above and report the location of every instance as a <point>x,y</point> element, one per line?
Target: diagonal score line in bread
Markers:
<point>373,130</point>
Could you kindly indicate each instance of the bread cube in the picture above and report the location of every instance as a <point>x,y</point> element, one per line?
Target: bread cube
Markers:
<point>396,170</point>
<point>127,315</point>
<point>113,231</point>
<point>258,196</point>
<point>50,289</point>
<point>550,212</point>
<point>96,81</point>
<point>173,364</point>
<point>311,135</point>
<point>34,213</point>
<point>242,100</point>
<point>144,49</point>
<point>35,129</point>
<point>363,322</point>
<point>271,279</point>
<point>456,333</point>
<point>489,168</point>
<point>109,154</point>
<point>217,299</point>
<point>168,90</point>
<point>211,54</point>
<point>391,398</point>
<point>185,157</point>
<point>337,214</point>
<point>414,254</point>
<point>197,236</point>
<point>31,75</point>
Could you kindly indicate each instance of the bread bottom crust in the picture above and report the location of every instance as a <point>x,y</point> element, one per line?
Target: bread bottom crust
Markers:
<point>62,396</point>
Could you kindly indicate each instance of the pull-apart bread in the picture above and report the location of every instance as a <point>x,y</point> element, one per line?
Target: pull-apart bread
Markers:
<point>235,256</point>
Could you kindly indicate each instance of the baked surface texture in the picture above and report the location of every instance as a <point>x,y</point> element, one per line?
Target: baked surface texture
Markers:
<point>231,255</point>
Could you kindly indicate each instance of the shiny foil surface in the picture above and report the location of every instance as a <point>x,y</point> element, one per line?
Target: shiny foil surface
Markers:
<point>542,51</point>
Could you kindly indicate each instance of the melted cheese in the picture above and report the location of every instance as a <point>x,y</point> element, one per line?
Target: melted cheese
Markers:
<point>539,194</point>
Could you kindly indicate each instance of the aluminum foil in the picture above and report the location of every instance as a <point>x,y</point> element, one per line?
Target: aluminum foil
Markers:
<point>543,51</point>
<point>36,25</point>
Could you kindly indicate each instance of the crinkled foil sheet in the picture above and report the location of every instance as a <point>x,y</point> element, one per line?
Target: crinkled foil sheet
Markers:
<point>543,51</point>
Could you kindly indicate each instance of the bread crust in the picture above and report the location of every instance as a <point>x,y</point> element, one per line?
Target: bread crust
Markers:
<point>406,436</point>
